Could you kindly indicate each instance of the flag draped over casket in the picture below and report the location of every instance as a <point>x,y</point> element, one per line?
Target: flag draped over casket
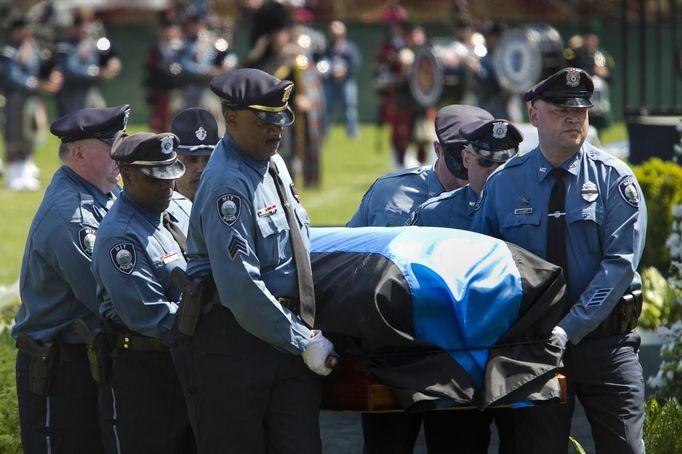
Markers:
<point>443,317</point>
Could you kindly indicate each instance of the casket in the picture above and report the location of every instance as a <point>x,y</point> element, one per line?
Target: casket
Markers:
<point>426,318</point>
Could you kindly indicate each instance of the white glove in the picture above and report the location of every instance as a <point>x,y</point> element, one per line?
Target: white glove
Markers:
<point>316,353</point>
<point>560,335</point>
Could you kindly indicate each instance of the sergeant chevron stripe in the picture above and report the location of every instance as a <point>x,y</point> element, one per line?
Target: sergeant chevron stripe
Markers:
<point>237,244</point>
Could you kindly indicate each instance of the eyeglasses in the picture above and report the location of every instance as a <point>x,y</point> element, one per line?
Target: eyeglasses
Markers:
<point>483,162</point>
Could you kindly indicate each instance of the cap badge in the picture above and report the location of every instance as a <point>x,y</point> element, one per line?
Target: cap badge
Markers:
<point>125,119</point>
<point>287,92</point>
<point>200,133</point>
<point>572,78</point>
<point>166,144</point>
<point>499,130</point>
<point>589,191</point>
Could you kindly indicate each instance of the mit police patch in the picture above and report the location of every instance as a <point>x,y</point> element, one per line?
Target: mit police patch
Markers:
<point>628,190</point>
<point>229,206</point>
<point>123,256</point>
<point>86,240</point>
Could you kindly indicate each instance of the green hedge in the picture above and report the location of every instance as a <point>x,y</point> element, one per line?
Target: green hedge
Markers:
<point>663,427</point>
<point>661,182</point>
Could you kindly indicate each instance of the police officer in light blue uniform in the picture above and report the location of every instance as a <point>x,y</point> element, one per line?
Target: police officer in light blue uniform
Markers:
<point>392,198</point>
<point>583,209</point>
<point>197,131</point>
<point>56,286</point>
<point>491,143</point>
<point>250,382</point>
<point>390,202</point>
<point>142,406</point>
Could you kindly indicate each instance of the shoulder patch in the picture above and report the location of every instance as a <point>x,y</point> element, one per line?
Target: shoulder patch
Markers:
<point>229,207</point>
<point>124,258</point>
<point>86,240</point>
<point>237,245</point>
<point>628,190</point>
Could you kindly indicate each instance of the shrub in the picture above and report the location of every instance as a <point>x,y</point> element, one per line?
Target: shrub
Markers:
<point>663,427</point>
<point>661,182</point>
<point>661,307</point>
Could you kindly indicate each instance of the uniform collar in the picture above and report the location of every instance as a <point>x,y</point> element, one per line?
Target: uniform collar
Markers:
<point>470,198</point>
<point>101,198</point>
<point>433,185</point>
<point>543,167</point>
<point>261,167</point>
<point>153,217</point>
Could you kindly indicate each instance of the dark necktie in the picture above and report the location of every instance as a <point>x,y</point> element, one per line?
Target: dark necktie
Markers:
<point>306,291</point>
<point>175,232</point>
<point>556,222</point>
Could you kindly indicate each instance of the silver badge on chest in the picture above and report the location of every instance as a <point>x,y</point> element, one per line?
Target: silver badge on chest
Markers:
<point>589,191</point>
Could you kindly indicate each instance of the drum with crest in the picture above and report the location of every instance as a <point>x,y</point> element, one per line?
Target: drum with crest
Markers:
<point>526,55</point>
<point>439,71</point>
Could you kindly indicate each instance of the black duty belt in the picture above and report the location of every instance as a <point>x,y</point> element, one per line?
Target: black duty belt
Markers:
<point>623,317</point>
<point>136,343</point>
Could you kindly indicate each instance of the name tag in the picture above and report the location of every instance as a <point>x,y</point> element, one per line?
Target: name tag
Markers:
<point>169,258</point>
<point>267,211</point>
<point>522,211</point>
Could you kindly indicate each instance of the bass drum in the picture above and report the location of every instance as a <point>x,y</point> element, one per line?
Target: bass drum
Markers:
<point>526,55</point>
<point>438,67</point>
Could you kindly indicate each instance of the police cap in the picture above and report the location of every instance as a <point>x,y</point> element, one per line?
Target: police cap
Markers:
<point>569,87</point>
<point>91,123</point>
<point>449,120</point>
<point>495,140</point>
<point>197,131</point>
<point>250,88</point>
<point>152,154</point>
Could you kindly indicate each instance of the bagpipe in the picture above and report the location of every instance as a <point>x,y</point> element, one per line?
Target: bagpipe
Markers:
<point>426,318</point>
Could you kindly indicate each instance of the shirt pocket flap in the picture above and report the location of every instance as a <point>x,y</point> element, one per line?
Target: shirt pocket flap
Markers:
<point>593,212</point>
<point>272,224</point>
<point>517,220</point>
<point>302,215</point>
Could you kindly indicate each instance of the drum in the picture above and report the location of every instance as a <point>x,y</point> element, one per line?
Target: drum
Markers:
<point>526,55</point>
<point>436,68</point>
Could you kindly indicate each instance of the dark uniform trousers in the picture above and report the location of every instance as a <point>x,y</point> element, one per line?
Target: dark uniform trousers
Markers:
<point>143,408</point>
<point>66,420</point>
<point>605,374</point>
<point>244,396</point>
<point>445,431</point>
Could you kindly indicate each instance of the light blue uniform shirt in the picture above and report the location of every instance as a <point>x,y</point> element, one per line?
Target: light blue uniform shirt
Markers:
<point>56,285</point>
<point>132,264</point>
<point>453,209</point>
<point>392,198</point>
<point>605,226</point>
<point>180,208</point>
<point>196,59</point>
<point>239,232</point>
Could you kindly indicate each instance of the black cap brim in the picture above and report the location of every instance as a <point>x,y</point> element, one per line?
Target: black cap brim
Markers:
<point>165,172</point>
<point>569,102</point>
<point>283,118</point>
<point>199,150</point>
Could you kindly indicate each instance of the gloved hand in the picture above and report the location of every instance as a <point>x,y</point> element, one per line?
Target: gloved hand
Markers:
<point>316,353</point>
<point>560,335</point>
